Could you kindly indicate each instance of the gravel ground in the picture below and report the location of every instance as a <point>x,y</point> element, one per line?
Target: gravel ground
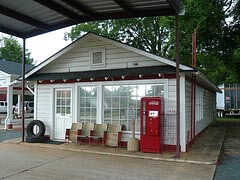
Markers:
<point>229,164</point>
<point>10,134</point>
<point>229,168</point>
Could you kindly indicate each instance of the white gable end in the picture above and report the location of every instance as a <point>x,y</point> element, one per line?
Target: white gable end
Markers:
<point>78,58</point>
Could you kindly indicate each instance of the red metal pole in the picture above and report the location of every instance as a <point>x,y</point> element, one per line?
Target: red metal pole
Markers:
<point>23,87</point>
<point>194,46</point>
<point>177,90</point>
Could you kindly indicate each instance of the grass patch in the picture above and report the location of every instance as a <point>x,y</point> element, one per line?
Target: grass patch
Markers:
<point>232,125</point>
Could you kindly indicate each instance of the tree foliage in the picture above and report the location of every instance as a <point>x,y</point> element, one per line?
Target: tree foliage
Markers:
<point>217,24</point>
<point>11,50</point>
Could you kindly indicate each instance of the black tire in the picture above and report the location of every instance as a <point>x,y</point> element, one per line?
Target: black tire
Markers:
<point>40,139</point>
<point>30,129</point>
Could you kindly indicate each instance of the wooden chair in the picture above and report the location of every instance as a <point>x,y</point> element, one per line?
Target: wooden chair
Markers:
<point>98,133</point>
<point>84,133</point>
<point>70,134</point>
<point>114,135</point>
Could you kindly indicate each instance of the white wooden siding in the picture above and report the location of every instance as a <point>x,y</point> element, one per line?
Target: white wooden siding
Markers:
<point>208,110</point>
<point>169,124</point>
<point>170,114</point>
<point>77,58</point>
<point>44,107</point>
<point>5,79</point>
<point>188,90</point>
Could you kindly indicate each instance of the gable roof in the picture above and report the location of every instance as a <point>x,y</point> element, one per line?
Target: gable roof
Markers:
<point>111,41</point>
<point>13,68</point>
<point>170,63</point>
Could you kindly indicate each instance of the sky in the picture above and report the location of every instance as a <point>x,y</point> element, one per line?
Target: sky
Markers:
<point>45,45</point>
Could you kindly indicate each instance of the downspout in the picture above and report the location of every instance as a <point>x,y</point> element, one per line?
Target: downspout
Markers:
<point>194,41</point>
<point>23,86</point>
<point>177,90</point>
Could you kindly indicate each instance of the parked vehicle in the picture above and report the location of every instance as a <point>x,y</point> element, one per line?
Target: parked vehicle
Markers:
<point>28,107</point>
<point>228,103</point>
<point>3,107</point>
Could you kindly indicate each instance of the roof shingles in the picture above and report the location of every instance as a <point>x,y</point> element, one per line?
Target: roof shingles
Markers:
<point>14,68</point>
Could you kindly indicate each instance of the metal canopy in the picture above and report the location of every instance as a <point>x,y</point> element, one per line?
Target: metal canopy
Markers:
<point>27,18</point>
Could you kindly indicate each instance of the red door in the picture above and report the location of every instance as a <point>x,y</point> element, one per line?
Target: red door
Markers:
<point>151,124</point>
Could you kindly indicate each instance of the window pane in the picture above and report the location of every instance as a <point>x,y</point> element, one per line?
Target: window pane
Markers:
<point>149,90</point>
<point>68,102</point>
<point>94,113</point>
<point>107,103</point>
<point>107,121</point>
<point>87,113</point>
<point>94,91</point>
<point>115,114</point>
<point>58,93</point>
<point>93,102</point>
<point>68,110</point>
<point>58,110</point>
<point>115,102</point>
<point>107,113</point>
<point>115,91</point>
<point>63,102</point>
<point>97,57</point>
<point>82,102</point>
<point>81,112</point>
<point>123,113</point>
<point>63,110</point>
<point>107,91</point>
<point>123,102</point>
<point>58,102</point>
<point>82,92</point>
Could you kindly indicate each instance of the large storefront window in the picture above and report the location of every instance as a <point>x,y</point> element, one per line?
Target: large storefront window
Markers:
<point>88,102</point>
<point>122,102</point>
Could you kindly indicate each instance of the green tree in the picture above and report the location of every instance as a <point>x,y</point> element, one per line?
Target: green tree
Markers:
<point>11,50</point>
<point>215,40</point>
<point>145,33</point>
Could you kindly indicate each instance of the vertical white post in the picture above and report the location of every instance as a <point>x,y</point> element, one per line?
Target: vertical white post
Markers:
<point>35,100</point>
<point>183,133</point>
<point>19,104</point>
<point>9,117</point>
<point>9,103</point>
<point>100,104</point>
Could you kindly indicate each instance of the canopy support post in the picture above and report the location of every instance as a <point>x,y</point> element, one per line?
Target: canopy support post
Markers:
<point>177,91</point>
<point>23,86</point>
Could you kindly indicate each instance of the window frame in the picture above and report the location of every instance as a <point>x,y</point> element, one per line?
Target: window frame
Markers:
<point>78,100</point>
<point>100,95</point>
<point>96,50</point>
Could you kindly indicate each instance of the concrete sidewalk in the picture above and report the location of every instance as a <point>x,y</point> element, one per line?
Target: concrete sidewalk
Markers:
<point>206,149</point>
<point>22,162</point>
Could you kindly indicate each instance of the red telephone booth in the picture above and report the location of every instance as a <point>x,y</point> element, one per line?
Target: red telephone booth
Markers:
<point>151,124</point>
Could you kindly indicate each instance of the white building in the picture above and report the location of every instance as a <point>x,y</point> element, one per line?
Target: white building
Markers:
<point>97,79</point>
<point>9,86</point>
